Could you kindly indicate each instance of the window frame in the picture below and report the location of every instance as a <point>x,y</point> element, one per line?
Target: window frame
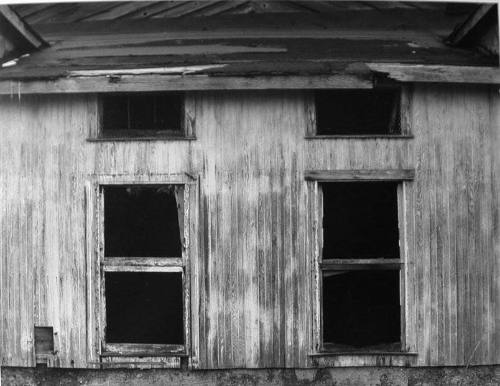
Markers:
<point>404,106</point>
<point>98,265</point>
<point>403,178</point>
<point>187,124</point>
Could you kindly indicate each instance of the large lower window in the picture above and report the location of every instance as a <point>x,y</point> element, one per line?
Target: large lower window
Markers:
<point>360,261</point>
<point>143,270</point>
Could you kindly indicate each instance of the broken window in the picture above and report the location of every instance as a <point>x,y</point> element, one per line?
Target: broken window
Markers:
<point>142,115</point>
<point>357,112</point>
<point>144,307</point>
<point>141,222</point>
<point>143,262</point>
<point>360,266</point>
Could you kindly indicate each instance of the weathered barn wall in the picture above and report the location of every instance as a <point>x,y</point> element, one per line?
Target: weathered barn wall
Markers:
<point>456,211</point>
<point>252,292</point>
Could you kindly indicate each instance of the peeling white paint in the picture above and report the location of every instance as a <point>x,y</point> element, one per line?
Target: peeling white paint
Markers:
<point>143,71</point>
<point>10,63</point>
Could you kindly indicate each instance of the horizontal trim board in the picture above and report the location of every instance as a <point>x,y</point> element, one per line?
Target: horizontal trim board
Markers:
<point>367,136</point>
<point>142,268</point>
<point>139,83</point>
<point>159,82</point>
<point>143,179</point>
<point>142,262</point>
<point>139,139</point>
<point>379,261</point>
<point>360,175</point>
<point>437,74</point>
<point>139,349</point>
<point>361,352</point>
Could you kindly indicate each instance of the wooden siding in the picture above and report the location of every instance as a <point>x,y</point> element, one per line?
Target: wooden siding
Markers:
<point>456,252</point>
<point>253,244</point>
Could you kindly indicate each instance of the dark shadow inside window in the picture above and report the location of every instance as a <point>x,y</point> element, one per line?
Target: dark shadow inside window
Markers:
<point>144,307</point>
<point>360,220</point>
<point>361,309</point>
<point>358,112</point>
<point>141,222</point>
<point>142,114</point>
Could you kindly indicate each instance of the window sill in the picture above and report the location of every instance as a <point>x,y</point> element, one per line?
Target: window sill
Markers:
<point>142,363</point>
<point>363,359</point>
<point>362,353</point>
<point>360,136</point>
<point>143,350</point>
<point>140,139</point>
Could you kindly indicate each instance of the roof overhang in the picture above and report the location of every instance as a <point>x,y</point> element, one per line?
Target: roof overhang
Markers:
<point>19,38</point>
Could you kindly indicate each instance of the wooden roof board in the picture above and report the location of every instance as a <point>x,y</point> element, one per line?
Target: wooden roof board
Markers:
<point>243,56</point>
<point>279,44</point>
<point>92,11</point>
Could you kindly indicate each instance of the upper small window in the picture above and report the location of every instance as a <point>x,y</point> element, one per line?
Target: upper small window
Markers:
<point>142,115</point>
<point>358,112</point>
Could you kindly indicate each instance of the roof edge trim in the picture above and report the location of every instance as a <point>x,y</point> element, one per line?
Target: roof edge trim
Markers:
<point>158,82</point>
<point>437,73</point>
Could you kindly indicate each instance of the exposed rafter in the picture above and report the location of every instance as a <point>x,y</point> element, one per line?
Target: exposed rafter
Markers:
<point>17,35</point>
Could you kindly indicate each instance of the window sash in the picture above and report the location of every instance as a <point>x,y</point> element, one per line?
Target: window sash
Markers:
<point>186,128</point>
<point>143,349</point>
<point>144,264</point>
<point>329,264</point>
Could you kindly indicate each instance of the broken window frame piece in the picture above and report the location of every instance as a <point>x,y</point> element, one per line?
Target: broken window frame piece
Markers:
<point>403,178</point>
<point>185,130</point>
<point>172,264</point>
<point>399,113</point>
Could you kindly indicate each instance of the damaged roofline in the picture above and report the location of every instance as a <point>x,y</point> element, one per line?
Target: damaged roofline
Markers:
<point>187,79</point>
<point>23,28</point>
<point>159,82</point>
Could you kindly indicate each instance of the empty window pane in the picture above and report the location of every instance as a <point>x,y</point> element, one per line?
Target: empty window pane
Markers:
<point>361,308</point>
<point>144,307</point>
<point>360,220</point>
<point>142,114</point>
<point>355,112</point>
<point>141,222</point>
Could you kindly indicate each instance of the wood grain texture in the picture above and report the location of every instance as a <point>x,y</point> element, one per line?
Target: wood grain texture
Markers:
<point>437,73</point>
<point>158,82</point>
<point>456,215</point>
<point>253,197</point>
<point>254,235</point>
<point>360,175</point>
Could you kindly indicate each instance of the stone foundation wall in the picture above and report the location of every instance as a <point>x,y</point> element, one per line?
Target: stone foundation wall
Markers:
<point>477,375</point>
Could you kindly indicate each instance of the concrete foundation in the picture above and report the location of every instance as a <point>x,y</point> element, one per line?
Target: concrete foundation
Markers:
<point>477,375</point>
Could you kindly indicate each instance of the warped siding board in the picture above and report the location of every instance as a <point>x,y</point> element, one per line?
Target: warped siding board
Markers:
<point>44,189</point>
<point>356,154</point>
<point>252,274</point>
<point>494,266</point>
<point>456,224</point>
<point>46,162</point>
<point>16,256</point>
<point>253,202</point>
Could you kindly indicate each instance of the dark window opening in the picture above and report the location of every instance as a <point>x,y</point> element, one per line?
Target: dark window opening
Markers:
<point>360,220</point>
<point>358,112</point>
<point>142,221</point>
<point>144,307</point>
<point>361,309</point>
<point>142,115</point>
